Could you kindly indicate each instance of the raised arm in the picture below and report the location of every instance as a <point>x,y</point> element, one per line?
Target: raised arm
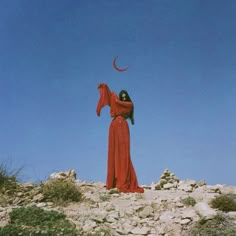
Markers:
<point>105,97</point>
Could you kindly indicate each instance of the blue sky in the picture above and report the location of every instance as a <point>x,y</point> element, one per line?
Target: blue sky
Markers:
<point>182,79</point>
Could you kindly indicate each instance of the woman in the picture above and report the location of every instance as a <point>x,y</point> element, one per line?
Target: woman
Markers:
<point>120,171</point>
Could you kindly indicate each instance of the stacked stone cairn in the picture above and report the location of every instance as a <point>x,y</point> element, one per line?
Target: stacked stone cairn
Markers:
<point>167,181</point>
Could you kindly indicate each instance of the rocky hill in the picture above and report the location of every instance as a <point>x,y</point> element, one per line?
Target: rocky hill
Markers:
<point>170,207</point>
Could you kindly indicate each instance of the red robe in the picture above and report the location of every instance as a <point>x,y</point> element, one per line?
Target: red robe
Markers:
<point>120,170</point>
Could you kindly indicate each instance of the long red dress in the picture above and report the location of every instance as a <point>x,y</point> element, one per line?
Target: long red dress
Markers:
<point>120,170</point>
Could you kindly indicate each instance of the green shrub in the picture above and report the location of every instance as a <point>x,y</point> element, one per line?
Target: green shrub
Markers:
<point>218,226</point>
<point>225,202</point>
<point>36,221</point>
<point>188,201</point>
<point>61,192</point>
<point>8,179</point>
<point>101,232</point>
<point>13,230</point>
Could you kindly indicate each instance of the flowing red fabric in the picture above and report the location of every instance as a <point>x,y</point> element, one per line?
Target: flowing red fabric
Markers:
<point>104,100</point>
<point>120,170</point>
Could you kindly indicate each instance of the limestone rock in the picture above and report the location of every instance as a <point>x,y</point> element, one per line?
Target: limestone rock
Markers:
<point>89,226</point>
<point>68,175</point>
<point>185,221</point>
<point>187,185</point>
<point>140,231</point>
<point>166,216</point>
<point>201,183</point>
<point>204,210</point>
<point>99,216</point>
<point>41,204</point>
<point>169,186</point>
<point>146,212</point>
<point>189,213</point>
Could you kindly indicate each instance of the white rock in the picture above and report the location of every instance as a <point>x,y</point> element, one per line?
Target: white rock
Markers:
<point>70,174</point>
<point>185,187</point>
<point>166,172</point>
<point>146,212</point>
<point>113,225</point>
<point>201,183</point>
<point>191,182</point>
<point>99,216</point>
<point>189,213</point>
<point>215,189</point>
<point>162,182</point>
<point>166,216</point>
<point>129,211</point>
<point>140,231</point>
<point>127,226</point>
<point>204,210</point>
<point>232,214</point>
<point>39,197</point>
<point>152,186</point>
<point>109,207</point>
<point>113,217</point>
<point>169,186</point>
<point>179,204</point>
<point>185,221</point>
<point>89,226</point>
<point>161,231</point>
<point>41,204</point>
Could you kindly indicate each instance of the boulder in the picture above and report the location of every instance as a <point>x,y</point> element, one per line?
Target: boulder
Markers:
<point>64,175</point>
<point>204,210</point>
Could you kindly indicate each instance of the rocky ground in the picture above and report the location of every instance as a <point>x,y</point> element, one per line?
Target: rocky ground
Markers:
<point>158,211</point>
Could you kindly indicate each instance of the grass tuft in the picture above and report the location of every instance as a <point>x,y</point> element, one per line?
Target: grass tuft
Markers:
<point>218,226</point>
<point>36,221</point>
<point>61,192</point>
<point>188,201</point>
<point>8,179</point>
<point>101,232</point>
<point>224,202</point>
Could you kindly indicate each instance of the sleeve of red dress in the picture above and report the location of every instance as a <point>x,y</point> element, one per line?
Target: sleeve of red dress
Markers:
<point>119,107</point>
<point>105,97</point>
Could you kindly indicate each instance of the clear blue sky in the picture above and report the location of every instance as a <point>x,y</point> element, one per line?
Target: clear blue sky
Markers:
<point>182,79</point>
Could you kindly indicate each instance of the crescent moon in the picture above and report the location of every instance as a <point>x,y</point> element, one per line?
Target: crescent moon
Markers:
<point>116,67</point>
